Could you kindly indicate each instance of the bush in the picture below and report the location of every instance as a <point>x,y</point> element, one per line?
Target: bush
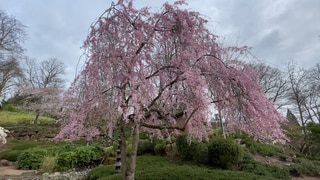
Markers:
<point>11,155</point>
<point>200,153</point>
<point>87,155</point>
<point>110,151</point>
<point>224,153</point>
<point>81,156</point>
<point>9,107</point>
<point>31,158</point>
<point>145,147</point>
<point>60,148</point>
<point>66,160</point>
<point>160,148</point>
<point>48,164</point>
<point>195,151</point>
<point>184,148</point>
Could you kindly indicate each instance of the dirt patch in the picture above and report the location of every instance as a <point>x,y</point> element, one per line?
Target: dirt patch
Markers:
<point>272,160</point>
<point>10,172</point>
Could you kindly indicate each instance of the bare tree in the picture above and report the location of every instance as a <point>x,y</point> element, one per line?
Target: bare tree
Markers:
<point>314,94</point>
<point>12,35</point>
<point>9,71</point>
<point>298,79</point>
<point>46,74</point>
<point>273,82</point>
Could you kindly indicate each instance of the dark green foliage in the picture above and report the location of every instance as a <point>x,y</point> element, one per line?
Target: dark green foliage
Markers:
<point>183,147</point>
<point>224,153</point>
<point>250,165</point>
<point>160,148</point>
<point>9,107</point>
<point>145,146</point>
<point>68,156</point>
<point>304,167</point>
<point>196,151</point>
<point>11,155</point>
<point>66,160</point>
<point>256,147</point>
<point>31,158</point>
<point>161,168</point>
<point>56,150</point>
<point>80,156</point>
<point>200,152</point>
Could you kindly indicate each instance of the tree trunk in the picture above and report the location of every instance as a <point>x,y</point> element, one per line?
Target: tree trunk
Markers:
<point>222,126</point>
<point>135,142</point>
<point>123,151</point>
<point>37,117</point>
<point>110,132</point>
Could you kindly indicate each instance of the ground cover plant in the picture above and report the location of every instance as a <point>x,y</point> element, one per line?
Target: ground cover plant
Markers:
<point>162,168</point>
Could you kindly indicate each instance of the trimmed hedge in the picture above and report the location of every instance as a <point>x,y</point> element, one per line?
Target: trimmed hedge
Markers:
<point>225,153</point>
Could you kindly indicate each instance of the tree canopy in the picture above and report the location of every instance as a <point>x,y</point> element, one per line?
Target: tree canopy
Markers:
<point>162,72</point>
<point>157,69</point>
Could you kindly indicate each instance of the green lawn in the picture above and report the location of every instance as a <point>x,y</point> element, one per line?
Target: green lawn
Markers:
<point>13,118</point>
<point>161,168</point>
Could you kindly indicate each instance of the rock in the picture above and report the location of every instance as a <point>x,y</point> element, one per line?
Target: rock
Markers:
<point>4,162</point>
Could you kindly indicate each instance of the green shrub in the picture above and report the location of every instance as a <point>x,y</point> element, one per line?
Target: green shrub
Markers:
<point>183,147</point>
<point>160,148</point>
<point>31,158</point>
<point>224,153</point>
<point>11,155</point>
<point>87,155</point>
<point>145,147</point>
<point>128,149</point>
<point>48,164</point>
<point>248,164</point>
<point>195,151</point>
<point>110,151</point>
<point>9,107</point>
<point>66,160</point>
<point>80,156</point>
<point>200,152</point>
<point>60,148</point>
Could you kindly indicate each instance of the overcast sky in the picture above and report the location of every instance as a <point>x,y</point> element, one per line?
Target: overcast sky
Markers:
<point>279,31</point>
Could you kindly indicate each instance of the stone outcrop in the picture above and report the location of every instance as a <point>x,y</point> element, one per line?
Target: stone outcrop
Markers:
<point>33,132</point>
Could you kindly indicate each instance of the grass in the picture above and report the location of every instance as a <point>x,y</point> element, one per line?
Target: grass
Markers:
<point>14,118</point>
<point>162,168</point>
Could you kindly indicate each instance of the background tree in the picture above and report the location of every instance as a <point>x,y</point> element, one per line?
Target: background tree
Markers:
<point>10,71</point>
<point>162,80</point>
<point>46,74</point>
<point>12,36</point>
<point>305,99</point>
<point>274,83</point>
<point>314,90</point>
<point>42,101</point>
